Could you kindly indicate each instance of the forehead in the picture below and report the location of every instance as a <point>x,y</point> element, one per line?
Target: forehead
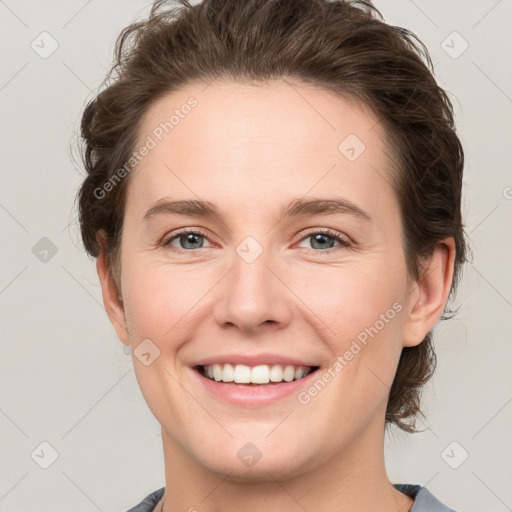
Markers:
<point>226,140</point>
<point>278,111</point>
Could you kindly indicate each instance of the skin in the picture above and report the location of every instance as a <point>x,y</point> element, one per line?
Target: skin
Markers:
<point>250,149</point>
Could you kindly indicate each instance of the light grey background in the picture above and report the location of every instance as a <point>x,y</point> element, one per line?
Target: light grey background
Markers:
<point>64,377</point>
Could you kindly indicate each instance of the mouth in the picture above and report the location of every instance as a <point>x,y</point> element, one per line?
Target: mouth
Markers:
<point>254,376</point>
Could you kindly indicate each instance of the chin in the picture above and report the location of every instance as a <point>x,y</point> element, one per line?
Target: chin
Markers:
<point>248,464</point>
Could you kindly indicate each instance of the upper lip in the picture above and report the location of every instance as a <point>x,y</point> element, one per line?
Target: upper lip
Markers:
<point>254,360</point>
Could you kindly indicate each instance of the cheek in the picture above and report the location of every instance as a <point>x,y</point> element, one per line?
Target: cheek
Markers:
<point>369,335</point>
<point>361,307</point>
<point>364,313</point>
<point>351,297</point>
<point>161,296</point>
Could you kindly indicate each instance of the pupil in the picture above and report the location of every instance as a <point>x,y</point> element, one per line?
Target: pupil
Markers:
<point>319,237</point>
<point>192,239</point>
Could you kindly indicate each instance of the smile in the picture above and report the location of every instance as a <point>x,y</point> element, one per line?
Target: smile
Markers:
<point>253,386</point>
<point>254,375</point>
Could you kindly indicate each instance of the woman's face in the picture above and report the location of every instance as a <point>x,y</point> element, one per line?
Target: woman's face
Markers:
<point>266,279</point>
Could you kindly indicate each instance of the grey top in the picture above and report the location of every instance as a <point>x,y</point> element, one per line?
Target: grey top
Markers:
<point>424,501</point>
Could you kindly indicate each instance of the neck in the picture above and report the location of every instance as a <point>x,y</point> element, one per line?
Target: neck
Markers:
<point>353,479</point>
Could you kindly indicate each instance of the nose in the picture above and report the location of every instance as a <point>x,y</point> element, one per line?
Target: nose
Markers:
<point>253,296</point>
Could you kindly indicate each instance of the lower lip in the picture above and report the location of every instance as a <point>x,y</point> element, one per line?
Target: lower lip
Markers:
<point>259,395</point>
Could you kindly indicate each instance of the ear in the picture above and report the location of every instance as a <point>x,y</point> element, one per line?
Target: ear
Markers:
<point>111,294</point>
<point>428,297</point>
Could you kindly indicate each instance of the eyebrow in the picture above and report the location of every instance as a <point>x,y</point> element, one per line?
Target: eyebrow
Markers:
<point>297,207</point>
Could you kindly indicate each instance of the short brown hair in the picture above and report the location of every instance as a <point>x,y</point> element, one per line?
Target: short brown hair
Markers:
<point>339,45</point>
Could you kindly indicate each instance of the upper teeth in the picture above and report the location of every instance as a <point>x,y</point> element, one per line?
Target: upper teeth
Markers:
<point>261,374</point>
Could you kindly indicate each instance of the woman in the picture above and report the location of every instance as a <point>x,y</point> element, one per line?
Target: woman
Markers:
<point>273,198</point>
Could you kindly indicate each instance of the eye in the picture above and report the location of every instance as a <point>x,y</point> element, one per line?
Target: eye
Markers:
<point>323,241</point>
<point>188,239</point>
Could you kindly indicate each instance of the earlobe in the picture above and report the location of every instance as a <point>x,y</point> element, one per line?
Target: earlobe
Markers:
<point>428,299</point>
<point>112,299</point>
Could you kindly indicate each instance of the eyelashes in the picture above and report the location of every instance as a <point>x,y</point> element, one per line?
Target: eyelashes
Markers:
<point>317,236</point>
<point>184,233</point>
<point>343,242</point>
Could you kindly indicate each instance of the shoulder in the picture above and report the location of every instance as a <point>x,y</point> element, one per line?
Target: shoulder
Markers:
<point>149,502</point>
<point>424,500</point>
